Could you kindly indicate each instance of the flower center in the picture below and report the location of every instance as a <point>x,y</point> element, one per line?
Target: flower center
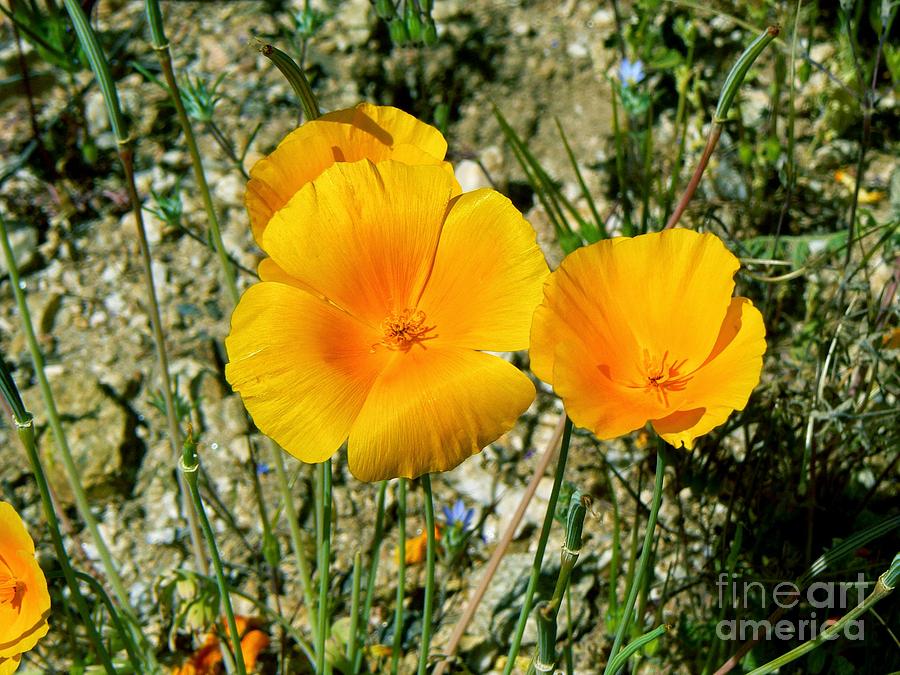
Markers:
<point>663,377</point>
<point>403,330</point>
<point>11,590</point>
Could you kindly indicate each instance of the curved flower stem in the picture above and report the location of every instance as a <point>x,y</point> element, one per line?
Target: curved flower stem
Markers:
<point>62,444</point>
<point>638,580</point>
<point>429,575</point>
<point>401,575</point>
<point>91,46</point>
<point>542,545</point>
<point>25,427</point>
<point>373,565</point>
<point>352,642</point>
<point>883,587</point>
<point>294,75</point>
<point>296,537</point>
<point>691,188</point>
<point>161,46</point>
<point>190,466</point>
<point>323,532</point>
<point>732,83</point>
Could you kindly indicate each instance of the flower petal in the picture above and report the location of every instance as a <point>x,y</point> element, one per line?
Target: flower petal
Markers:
<point>364,132</point>
<point>432,408</point>
<point>363,235</point>
<point>595,401</point>
<point>723,384</point>
<point>12,530</point>
<point>580,312</point>
<point>488,275</point>
<point>302,366</point>
<point>676,286</point>
<point>269,270</point>
<point>10,665</point>
<point>23,627</point>
<point>661,295</point>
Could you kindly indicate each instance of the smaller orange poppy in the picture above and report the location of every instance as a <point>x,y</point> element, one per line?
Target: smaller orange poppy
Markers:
<point>417,547</point>
<point>207,660</point>
<point>644,329</point>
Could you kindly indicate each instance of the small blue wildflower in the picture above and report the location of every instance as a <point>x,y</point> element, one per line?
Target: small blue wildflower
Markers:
<point>262,469</point>
<point>631,72</point>
<point>459,514</point>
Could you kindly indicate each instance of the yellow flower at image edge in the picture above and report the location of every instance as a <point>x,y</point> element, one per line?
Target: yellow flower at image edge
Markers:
<point>24,600</point>
<point>392,288</point>
<point>644,329</point>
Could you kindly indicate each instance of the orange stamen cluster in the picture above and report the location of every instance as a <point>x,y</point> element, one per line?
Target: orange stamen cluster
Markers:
<point>403,330</point>
<point>664,379</point>
<point>11,590</point>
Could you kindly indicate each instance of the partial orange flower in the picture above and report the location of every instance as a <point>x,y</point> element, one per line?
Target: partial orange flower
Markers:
<point>416,548</point>
<point>644,329</point>
<point>207,660</point>
<point>24,599</point>
<point>390,288</point>
<point>364,132</point>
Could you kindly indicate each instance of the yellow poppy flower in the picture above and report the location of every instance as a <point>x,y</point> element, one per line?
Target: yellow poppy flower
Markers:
<point>364,132</point>
<point>390,286</point>
<point>24,600</point>
<point>644,329</point>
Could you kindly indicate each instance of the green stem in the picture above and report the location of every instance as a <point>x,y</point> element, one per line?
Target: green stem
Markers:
<point>680,128</point>
<point>377,537</point>
<point>65,453</point>
<point>732,83</point>
<point>296,538</point>
<point>161,46</point>
<point>401,575</point>
<point>636,644</point>
<point>627,227</point>
<point>323,510</point>
<point>429,575</point>
<point>545,654</point>
<point>25,428</point>
<point>568,653</point>
<point>354,608</point>
<point>883,587</point>
<point>91,46</point>
<point>539,553</point>
<point>648,158</point>
<point>126,635</point>
<point>190,466</point>
<point>643,564</point>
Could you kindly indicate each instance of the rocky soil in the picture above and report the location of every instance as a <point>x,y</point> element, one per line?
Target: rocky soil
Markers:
<point>75,241</point>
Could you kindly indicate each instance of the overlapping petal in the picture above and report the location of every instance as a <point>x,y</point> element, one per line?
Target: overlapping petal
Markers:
<point>723,384</point>
<point>488,275</point>
<point>633,330</point>
<point>433,407</point>
<point>364,132</point>
<point>363,235</point>
<point>302,366</point>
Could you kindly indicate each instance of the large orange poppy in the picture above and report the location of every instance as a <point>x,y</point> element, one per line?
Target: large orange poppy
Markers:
<point>389,286</point>
<point>644,329</point>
